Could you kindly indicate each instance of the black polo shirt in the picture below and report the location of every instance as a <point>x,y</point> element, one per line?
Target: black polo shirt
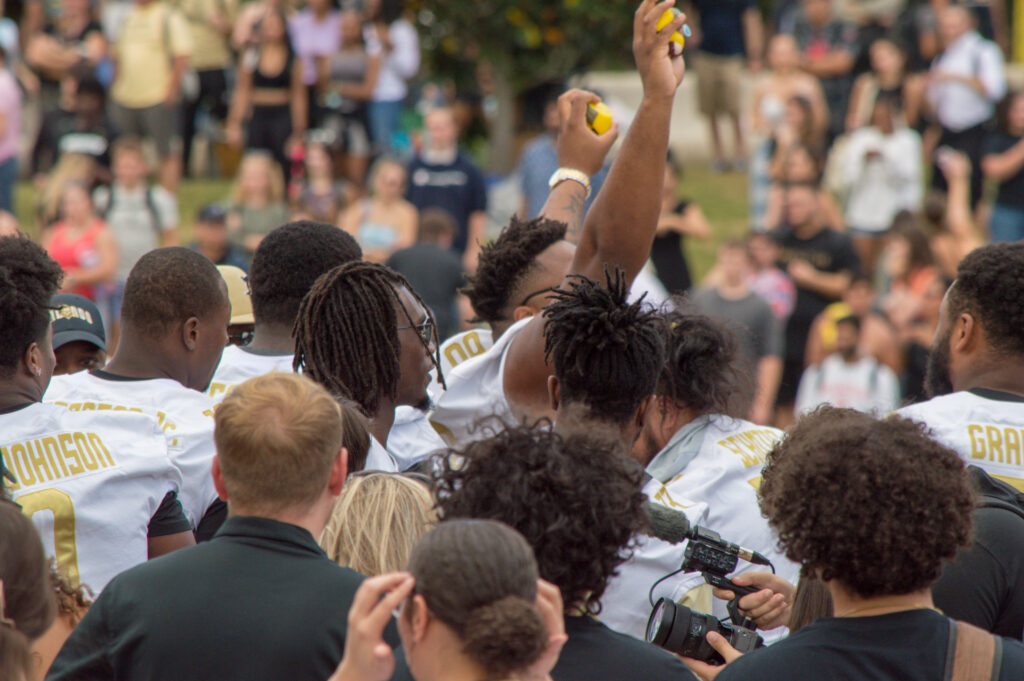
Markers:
<point>258,601</point>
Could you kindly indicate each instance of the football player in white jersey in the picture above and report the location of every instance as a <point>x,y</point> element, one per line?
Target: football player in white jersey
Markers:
<point>99,486</point>
<point>173,329</point>
<point>284,267</point>
<point>702,461</point>
<point>365,335</point>
<point>976,366</point>
<point>511,379</point>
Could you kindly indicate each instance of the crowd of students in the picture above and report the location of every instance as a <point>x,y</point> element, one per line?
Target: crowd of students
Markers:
<point>294,471</point>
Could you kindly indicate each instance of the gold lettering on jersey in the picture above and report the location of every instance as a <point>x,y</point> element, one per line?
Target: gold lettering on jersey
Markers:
<point>469,346</point>
<point>161,417</point>
<point>997,444</point>
<point>53,458</point>
<point>752,446</point>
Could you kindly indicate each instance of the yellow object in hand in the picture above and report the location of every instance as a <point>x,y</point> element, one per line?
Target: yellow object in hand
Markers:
<point>599,117</point>
<point>666,19</point>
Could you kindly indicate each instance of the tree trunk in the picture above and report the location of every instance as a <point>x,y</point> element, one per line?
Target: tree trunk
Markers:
<point>502,135</point>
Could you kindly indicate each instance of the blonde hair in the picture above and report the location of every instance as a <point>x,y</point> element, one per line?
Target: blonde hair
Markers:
<point>376,522</point>
<point>277,439</point>
<point>276,180</point>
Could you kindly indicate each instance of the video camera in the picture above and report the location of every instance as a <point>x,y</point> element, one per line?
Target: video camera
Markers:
<point>679,629</point>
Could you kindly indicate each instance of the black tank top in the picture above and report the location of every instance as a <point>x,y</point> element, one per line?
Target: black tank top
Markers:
<point>280,81</point>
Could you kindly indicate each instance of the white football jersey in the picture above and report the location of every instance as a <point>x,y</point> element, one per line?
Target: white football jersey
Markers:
<point>185,415</point>
<point>710,471</point>
<point>864,385</point>
<point>476,389</point>
<point>986,427</point>
<point>455,351</point>
<point>412,438</point>
<point>91,482</point>
<point>379,458</point>
<point>238,365</point>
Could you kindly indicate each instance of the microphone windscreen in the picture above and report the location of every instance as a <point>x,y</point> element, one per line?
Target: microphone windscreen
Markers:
<point>667,524</point>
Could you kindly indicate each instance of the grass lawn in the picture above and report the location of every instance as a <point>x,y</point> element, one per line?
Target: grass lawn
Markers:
<point>723,197</point>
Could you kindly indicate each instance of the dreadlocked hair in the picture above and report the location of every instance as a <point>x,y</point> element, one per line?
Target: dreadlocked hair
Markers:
<point>346,333</point>
<point>505,261</point>
<point>607,353</point>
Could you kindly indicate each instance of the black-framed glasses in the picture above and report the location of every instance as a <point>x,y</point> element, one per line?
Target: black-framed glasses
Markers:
<point>424,330</point>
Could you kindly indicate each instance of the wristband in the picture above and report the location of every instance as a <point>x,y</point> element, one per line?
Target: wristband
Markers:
<point>563,174</point>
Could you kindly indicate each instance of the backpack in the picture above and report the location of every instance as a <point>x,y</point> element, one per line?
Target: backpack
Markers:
<point>154,214</point>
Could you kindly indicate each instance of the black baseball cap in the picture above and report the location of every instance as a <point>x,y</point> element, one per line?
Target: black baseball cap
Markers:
<point>76,318</point>
<point>213,212</point>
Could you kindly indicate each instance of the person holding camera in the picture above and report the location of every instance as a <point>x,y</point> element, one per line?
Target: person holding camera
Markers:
<point>702,460</point>
<point>872,508</point>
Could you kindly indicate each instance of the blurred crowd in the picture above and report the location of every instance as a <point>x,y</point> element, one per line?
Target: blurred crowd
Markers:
<point>882,144</point>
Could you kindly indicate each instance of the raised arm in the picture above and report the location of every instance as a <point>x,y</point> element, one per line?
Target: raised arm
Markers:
<point>620,226</point>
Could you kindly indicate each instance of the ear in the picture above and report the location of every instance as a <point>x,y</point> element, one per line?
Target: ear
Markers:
<point>554,396</point>
<point>33,360</point>
<point>966,334</point>
<point>419,618</point>
<point>645,407</point>
<point>522,312</point>
<point>218,479</point>
<point>339,471</point>
<point>190,333</point>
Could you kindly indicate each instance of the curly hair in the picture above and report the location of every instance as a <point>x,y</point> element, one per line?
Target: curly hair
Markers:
<point>989,284</point>
<point>288,262</point>
<point>28,279</point>
<point>702,370</point>
<point>875,504</point>
<point>577,502</point>
<point>505,262</point>
<point>606,352</point>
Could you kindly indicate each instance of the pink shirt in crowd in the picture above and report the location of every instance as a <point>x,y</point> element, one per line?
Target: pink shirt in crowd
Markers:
<point>312,39</point>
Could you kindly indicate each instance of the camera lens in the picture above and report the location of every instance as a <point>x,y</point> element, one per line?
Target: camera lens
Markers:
<point>657,631</point>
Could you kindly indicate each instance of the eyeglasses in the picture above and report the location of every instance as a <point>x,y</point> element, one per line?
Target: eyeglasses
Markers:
<point>425,331</point>
<point>549,289</point>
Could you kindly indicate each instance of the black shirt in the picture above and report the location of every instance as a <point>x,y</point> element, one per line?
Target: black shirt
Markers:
<point>457,187</point>
<point>902,646</point>
<point>1011,190</point>
<point>596,653</point>
<point>984,585</point>
<point>259,601</point>
<point>436,274</point>
<point>826,251</point>
<point>669,260</point>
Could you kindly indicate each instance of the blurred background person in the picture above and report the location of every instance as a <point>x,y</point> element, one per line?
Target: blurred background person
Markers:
<point>728,34</point>
<point>211,238</point>
<point>270,93</point>
<point>952,230</point>
<point>680,218</point>
<point>70,38</point>
<point>377,520</point>
<point>432,269</point>
<point>888,79</point>
<point>441,176</point>
<point>394,30</point>
<point>346,81</point>
<point>321,196</point>
<point>246,30</point>
<point>383,222</point>
<point>210,23</point>
<point>847,379</point>
<point>83,246</point>
<point>84,129</point>
<point>315,35</point>
<point>152,53</point>
<point>1003,162</point>
<point>257,201</point>
<point>10,132</point>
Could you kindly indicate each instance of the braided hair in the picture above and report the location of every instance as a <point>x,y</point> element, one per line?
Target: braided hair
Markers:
<point>607,353</point>
<point>505,261</point>
<point>346,333</point>
<point>28,279</point>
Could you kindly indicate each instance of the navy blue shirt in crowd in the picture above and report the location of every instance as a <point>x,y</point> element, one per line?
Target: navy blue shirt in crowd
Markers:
<point>721,26</point>
<point>456,187</point>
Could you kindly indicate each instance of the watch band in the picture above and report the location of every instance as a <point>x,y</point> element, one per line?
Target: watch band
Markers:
<point>563,174</point>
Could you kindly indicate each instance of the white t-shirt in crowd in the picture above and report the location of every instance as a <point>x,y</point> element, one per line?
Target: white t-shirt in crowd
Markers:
<point>710,470</point>
<point>864,385</point>
<point>476,389</point>
<point>186,417</point>
<point>400,63</point>
<point>238,365</point>
<point>91,482</point>
<point>986,427</point>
